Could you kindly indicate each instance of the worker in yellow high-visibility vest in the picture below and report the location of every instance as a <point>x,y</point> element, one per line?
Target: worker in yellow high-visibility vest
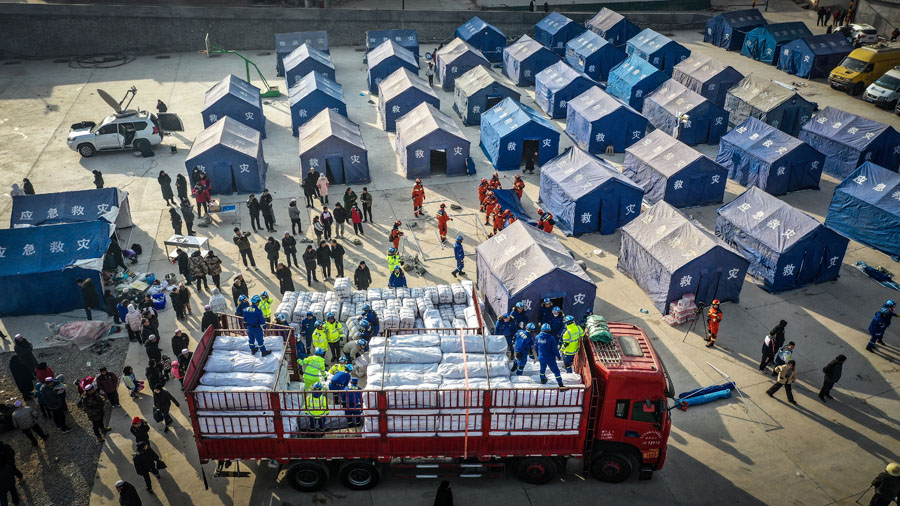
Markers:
<point>571,340</point>
<point>265,305</point>
<point>320,337</point>
<point>313,368</point>
<point>334,332</point>
<point>317,408</point>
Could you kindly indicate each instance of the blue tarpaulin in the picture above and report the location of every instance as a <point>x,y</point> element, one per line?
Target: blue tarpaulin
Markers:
<point>287,42</point>
<point>612,26</point>
<point>524,58</point>
<point>596,120</point>
<point>587,195</point>
<point>669,256</point>
<point>477,91</point>
<point>774,104</point>
<point>306,59</point>
<point>409,39</point>
<point>727,30</point>
<point>485,37</point>
<point>102,204</point>
<point>764,43</point>
<point>509,200</point>
<point>661,51</point>
<point>815,56</point>
<point>384,60</point>
<point>593,55</point>
<point>666,108</point>
<point>633,79</point>
<point>555,30</point>
<point>503,141</point>
<point>848,140</point>
<point>556,85</point>
<point>312,94</point>
<point>707,76</point>
<point>237,99</point>
<point>39,266</point>
<point>455,59</point>
<point>759,155</point>
<point>672,171</point>
<point>231,154</point>
<point>429,141</point>
<point>866,208</point>
<point>786,247</point>
<point>524,264</point>
<point>399,94</point>
<point>333,145</point>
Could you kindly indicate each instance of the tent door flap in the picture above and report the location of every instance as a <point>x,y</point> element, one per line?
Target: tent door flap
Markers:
<point>438,161</point>
<point>708,286</point>
<point>334,169</point>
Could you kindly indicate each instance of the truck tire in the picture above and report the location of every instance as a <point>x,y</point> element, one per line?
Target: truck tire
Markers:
<point>307,476</point>
<point>359,475</point>
<point>611,467</point>
<point>86,150</point>
<point>536,470</point>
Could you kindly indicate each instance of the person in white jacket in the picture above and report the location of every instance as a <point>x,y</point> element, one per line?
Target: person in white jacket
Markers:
<point>133,323</point>
<point>217,302</point>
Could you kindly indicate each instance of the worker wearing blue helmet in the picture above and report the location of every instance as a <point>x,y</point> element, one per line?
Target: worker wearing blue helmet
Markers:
<point>307,327</point>
<point>556,322</point>
<point>255,323</point>
<point>524,346</point>
<point>372,317</point>
<point>353,404</point>
<point>878,326</point>
<point>548,353</point>
<point>242,304</point>
<point>519,316</point>
<point>546,311</point>
<point>459,255</point>
<point>507,328</point>
<point>571,341</point>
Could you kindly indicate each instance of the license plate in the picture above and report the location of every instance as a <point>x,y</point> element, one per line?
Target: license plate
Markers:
<point>651,454</point>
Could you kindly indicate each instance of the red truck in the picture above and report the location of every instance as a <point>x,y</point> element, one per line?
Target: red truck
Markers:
<point>621,424</point>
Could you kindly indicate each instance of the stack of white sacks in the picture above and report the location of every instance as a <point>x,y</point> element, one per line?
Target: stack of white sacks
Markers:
<point>682,310</point>
<point>435,383</point>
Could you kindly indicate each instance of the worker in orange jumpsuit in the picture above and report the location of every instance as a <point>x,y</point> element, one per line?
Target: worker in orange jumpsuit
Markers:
<point>712,330</point>
<point>418,198</point>
<point>546,221</point>
<point>518,185</point>
<point>442,219</point>
<point>499,218</point>
<point>494,183</point>
<point>482,190</point>
<point>490,205</point>
<point>511,219</point>
<point>396,234</point>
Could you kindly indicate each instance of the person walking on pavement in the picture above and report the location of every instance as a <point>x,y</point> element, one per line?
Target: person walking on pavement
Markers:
<point>162,401</point>
<point>243,243</point>
<point>25,419</point>
<point>887,486</point>
<point>147,462</point>
<point>272,248</point>
<point>362,277</point>
<point>442,218</point>
<point>356,218</point>
<point>784,355</point>
<point>93,405</point>
<point>187,213</point>
<point>181,187</point>
<point>395,235</point>
<point>786,376</point>
<point>89,294</point>
<point>140,429</point>
<point>23,377</point>
<point>268,210</point>
<point>418,198</point>
<point>294,215</point>
<point>323,258</point>
<point>366,199</point>
<point>460,256</point>
<point>772,343</point>
<point>254,208</point>
<point>25,351</point>
<point>429,73</point>
<point>340,217</point>
<point>108,383</point>
<point>154,373</point>
<point>322,185</point>
<point>833,372</point>
<point>337,254</point>
<point>128,495</point>
<point>165,184</point>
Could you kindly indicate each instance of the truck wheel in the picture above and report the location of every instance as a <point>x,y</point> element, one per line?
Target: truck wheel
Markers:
<point>86,150</point>
<point>359,475</point>
<point>857,89</point>
<point>536,470</point>
<point>611,468</point>
<point>307,476</point>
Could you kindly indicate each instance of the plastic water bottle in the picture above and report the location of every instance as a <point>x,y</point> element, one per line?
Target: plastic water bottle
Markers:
<point>645,311</point>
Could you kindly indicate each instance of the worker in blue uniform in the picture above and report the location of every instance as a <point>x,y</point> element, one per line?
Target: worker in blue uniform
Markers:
<point>460,256</point>
<point>519,316</point>
<point>242,305</point>
<point>372,317</point>
<point>507,328</point>
<point>340,380</point>
<point>353,404</point>
<point>307,327</point>
<point>523,348</point>
<point>255,323</point>
<point>548,353</point>
<point>556,322</point>
<point>546,312</point>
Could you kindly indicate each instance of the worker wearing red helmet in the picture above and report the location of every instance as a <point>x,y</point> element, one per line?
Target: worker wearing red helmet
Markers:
<point>442,219</point>
<point>518,185</point>
<point>546,221</point>
<point>418,198</point>
<point>482,190</point>
<point>714,317</point>
<point>498,220</point>
<point>494,183</point>
<point>396,234</point>
<point>490,206</point>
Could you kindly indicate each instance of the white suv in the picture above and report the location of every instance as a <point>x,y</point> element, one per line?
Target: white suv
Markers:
<point>138,130</point>
<point>860,34</point>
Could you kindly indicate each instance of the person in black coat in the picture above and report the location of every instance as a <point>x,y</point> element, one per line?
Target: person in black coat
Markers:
<point>180,341</point>
<point>165,184</point>
<point>362,278</point>
<point>146,461</point>
<point>25,351</point>
<point>285,279</point>
<point>163,400</point>
<point>272,248</point>
<point>268,211</point>
<point>181,187</point>
<point>183,265</point>
<point>309,262</point>
<point>22,376</point>
<point>152,347</point>
<point>289,245</point>
<point>833,372</point>
<point>238,288</point>
<point>254,208</point>
<point>128,495</point>
<point>27,187</point>
<point>309,187</point>
<point>337,254</point>
<point>340,217</point>
<point>177,305</point>
<point>176,220</point>
<point>323,258</point>
<point>89,295</point>
<point>444,496</point>
<point>546,7</point>
<point>209,318</point>
<point>187,211</point>
<point>154,373</point>
<point>98,178</point>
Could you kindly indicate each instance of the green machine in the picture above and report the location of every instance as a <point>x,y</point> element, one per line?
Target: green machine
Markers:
<point>267,91</point>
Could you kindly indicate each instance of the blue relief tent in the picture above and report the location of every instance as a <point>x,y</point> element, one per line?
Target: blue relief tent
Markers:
<point>848,140</point>
<point>429,141</point>
<point>593,56</point>
<point>866,208</point>
<point>612,26</point>
<point>524,58</point>
<point>231,154</point>
<point>707,76</point>
<point>485,37</point>
<point>409,39</point>
<point>101,204</point>
<point>669,256</point>
<point>596,120</point>
<point>506,143</point>
<point>727,30</point>
<point>555,30</point>
<point>661,51</point>
<point>770,102</point>
<point>524,264</point>
<point>764,43</point>
<point>760,155</point>
<point>454,60</point>
<point>311,95</point>
<point>287,42</point>
<point>586,194</point>
<point>384,60</point>
<point>39,266</point>
<point>706,121</point>
<point>508,200</point>
<point>556,85</point>
<point>399,94</point>
<point>815,56</point>
<point>333,145</point>
<point>633,79</point>
<point>670,170</point>
<point>237,99</point>
<point>477,91</point>
<point>306,59</point>
<point>786,247</point>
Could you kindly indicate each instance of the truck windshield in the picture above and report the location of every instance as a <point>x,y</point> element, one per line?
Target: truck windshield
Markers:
<point>888,82</point>
<point>853,64</point>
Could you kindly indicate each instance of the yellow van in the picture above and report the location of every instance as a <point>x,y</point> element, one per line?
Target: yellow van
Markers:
<point>862,67</point>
